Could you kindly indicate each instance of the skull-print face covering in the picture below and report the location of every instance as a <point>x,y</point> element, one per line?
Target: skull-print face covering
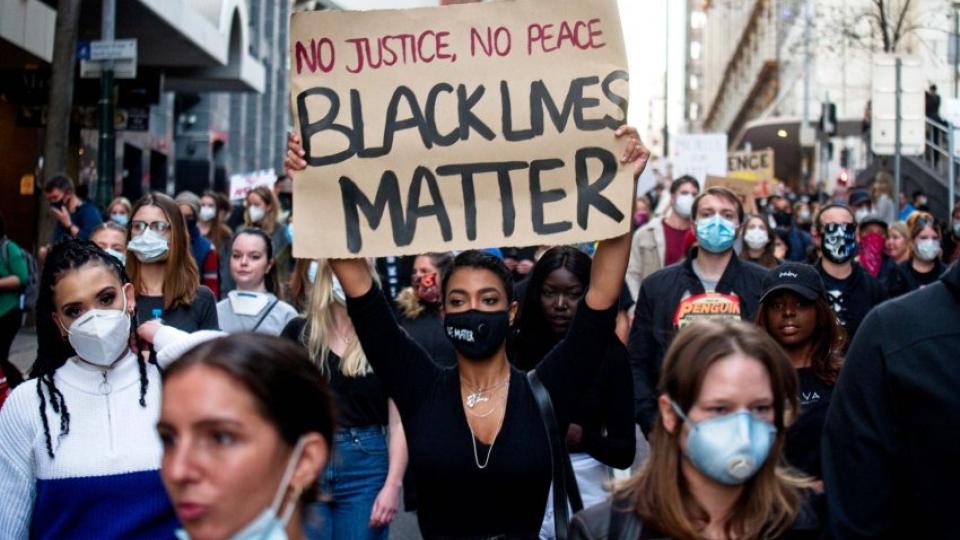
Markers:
<point>839,242</point>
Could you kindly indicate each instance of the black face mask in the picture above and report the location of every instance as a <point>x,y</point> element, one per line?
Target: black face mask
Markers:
<point>782,218</point>
<point>286,200</point>
<point>477,334</point>
<point>58,205</point>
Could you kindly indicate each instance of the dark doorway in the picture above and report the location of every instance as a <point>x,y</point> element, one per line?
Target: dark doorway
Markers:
<point>132,172</point>
<point>219,167</point>
<point>158,172</point>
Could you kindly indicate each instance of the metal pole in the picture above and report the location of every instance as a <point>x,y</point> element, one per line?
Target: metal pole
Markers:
<point>956,47</point>
<point>666,86</point>
<point>806,63</point>
<point>951,169</point>
<point>896,154</point>
<point>106,147</point>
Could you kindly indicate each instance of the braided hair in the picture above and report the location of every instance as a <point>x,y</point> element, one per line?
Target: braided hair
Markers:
<point>54,351</point>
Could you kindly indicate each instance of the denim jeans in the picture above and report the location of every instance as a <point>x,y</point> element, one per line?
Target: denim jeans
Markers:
<point>354,477</point>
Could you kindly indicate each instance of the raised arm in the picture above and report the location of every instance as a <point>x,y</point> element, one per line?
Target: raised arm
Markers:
<point>354,276</point>
<point>610,259</point>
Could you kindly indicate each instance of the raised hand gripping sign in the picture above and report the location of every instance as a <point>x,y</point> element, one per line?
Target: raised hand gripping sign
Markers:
<point>459,127</point>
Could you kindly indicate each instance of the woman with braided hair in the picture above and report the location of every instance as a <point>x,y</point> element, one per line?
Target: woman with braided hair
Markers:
<point>79,455</point>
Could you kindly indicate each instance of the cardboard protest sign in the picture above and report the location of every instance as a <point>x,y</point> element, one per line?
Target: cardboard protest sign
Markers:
<point>458,127</point>
<point>756,165</point>
<point>743,189</point>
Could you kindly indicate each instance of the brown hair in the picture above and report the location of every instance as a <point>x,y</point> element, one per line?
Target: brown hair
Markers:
<point>299,286</point>
<point>271,212</point>
<point>918,221</point>
<point>181,279</point>
<point>767,259</point>
<point>723,193</point>
<point>219,233</point>
<point>830,338</point>
<point>771,499</point>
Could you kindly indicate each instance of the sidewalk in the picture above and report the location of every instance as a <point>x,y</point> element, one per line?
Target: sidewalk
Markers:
<point>24,349</point>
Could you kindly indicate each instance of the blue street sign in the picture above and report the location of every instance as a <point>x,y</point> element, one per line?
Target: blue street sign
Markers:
<point>83,50</point>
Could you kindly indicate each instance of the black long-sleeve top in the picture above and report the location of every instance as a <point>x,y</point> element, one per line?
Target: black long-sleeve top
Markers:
<point>890,443</point>
<point>606,412</point>
<point>455,497</point>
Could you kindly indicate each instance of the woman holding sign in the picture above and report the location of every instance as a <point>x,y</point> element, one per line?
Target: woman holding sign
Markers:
<point>478,448</point>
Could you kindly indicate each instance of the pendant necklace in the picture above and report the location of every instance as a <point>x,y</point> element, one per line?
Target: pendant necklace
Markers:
<point>479,395</point>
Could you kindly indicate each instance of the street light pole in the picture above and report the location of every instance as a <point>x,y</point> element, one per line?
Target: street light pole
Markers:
<point>106,146</point>
<point>806,63</point>
<point>896,154</point>
<point>666,86</point>
<point>956,47</point>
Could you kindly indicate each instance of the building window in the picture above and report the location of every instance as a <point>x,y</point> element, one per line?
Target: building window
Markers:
<point>696,50</point>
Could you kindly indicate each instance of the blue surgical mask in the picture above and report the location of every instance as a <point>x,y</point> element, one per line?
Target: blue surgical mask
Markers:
<point>337,289</point>
<point>729,449</point>
<point>122,257</point>
<point>956,228</point>
<point>716,234</point>
<point>289,233</point>
<point>270,524</point>
<point>120,219</point>
<point>312,271</point>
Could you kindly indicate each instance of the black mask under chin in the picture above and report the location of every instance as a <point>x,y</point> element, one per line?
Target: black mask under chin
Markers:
<point>477,335</point>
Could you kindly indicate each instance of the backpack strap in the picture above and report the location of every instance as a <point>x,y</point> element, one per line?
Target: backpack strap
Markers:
<point>564,482</point>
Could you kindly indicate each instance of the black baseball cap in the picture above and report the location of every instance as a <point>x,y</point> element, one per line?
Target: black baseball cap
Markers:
<point>859,197</point>
<point>802,279</point>
<point>872,219</point>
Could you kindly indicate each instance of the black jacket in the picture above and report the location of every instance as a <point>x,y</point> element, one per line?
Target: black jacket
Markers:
<point>653,328</point>
<point>860,293</point>
<point>905,279</point>
<point>615,519</point>
<point>891,450</point>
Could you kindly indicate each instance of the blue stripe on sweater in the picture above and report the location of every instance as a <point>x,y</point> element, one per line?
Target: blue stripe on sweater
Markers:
<point>117,506</point>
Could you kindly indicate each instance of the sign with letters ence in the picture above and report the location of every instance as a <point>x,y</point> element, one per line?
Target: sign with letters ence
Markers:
<point>466,126</point>
<point>756,165</point>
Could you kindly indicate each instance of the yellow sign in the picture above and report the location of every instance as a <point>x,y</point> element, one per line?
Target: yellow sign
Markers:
<point>27,183</point>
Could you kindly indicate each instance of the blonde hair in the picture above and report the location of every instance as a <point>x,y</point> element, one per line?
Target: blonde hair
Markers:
<point>124,202</point>
<point>771,499</point>
<point>321,326</point>
<point>882,185</point>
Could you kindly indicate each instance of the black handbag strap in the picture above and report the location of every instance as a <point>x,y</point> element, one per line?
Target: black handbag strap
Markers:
<point>265,313</point>
<point>564,481</point>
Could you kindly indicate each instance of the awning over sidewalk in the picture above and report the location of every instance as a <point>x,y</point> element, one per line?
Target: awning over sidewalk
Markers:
<point>201,45</point>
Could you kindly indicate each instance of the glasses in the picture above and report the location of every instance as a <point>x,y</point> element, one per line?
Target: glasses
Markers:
<point>156,226</point>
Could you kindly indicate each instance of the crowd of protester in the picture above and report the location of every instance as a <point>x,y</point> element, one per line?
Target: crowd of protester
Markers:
<point>789,368</point>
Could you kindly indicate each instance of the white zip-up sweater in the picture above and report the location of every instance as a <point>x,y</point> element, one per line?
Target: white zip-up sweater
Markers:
<point>104,480</point>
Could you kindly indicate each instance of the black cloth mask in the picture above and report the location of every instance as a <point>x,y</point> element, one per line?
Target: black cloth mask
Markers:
<point>477,335</point>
